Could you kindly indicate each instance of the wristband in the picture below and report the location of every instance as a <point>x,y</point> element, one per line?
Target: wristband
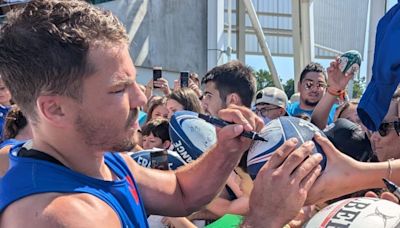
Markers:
<point>390,168</point>
<point>337,93</point>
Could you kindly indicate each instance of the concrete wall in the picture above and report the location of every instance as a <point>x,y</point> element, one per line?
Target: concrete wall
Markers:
<point>167,33</point>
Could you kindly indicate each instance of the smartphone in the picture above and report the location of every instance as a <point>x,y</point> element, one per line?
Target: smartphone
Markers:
<point>184,79</point>
<point>157,74</point>
<point>159,159</point>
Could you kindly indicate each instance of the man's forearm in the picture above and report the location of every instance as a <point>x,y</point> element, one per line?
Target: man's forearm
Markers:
<point>321,112</point>
<point>212,169</point>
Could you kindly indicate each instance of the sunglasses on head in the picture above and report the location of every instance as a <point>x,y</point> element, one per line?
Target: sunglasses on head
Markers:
<point>385,127</point>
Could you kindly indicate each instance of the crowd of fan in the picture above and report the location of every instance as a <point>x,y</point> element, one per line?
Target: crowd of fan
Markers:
<point>227,91</point>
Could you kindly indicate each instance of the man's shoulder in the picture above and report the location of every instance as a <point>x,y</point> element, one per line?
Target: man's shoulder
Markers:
<point>293,108</point>
<point>59,210</point>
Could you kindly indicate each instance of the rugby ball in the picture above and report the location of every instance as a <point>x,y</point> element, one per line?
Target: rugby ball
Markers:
<point>143,158</point>
<point>276,132</point>
<point>190,135</point>
<point>357,212</point>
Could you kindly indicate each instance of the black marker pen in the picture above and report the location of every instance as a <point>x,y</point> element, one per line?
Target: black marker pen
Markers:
<point>221,123</point>
<point>393,188</point>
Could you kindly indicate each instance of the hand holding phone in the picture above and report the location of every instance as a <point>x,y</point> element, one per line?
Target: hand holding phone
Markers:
<point>157,74</point>
<point>184,79</point>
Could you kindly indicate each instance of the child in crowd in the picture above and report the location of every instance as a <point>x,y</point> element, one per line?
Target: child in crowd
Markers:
<point>157,108</point>
<point>155,134</point>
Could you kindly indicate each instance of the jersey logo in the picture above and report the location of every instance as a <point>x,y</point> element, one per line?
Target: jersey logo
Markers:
<point>133,189</point>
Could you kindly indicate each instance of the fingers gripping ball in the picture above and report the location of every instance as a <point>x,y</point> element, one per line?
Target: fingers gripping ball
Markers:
<point>276,133</point>
<point>190,135</point>
<point>358,212</point>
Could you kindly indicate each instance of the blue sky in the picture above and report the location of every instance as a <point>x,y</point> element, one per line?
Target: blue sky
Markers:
<point>284,65</point>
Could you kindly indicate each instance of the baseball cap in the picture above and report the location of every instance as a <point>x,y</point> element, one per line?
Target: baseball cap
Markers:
<point>272,95</point>
<point>350,139</point>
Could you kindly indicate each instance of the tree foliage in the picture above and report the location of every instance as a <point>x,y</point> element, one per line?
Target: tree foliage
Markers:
<point>289,87</point>
<point>358,86</point>
<point>264,79</point>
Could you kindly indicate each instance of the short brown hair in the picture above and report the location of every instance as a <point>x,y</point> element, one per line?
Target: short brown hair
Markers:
<point>45,45</point>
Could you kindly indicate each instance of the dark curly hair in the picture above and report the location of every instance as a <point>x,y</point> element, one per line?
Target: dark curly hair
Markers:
<point>313,67</point>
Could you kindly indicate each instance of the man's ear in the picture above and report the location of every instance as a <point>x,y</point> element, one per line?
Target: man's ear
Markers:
<point>233,98</point>
<point>282,111</point>
<point>51,108</point>
<point>166,144</point>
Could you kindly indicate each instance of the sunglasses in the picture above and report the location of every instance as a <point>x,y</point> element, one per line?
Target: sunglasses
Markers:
<point>309,85</point>
<point>264,110</point>
<point>385,127</point>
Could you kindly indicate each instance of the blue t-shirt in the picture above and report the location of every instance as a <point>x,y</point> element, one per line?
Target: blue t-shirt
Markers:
<point>28,176</point>
<point>294,109</point>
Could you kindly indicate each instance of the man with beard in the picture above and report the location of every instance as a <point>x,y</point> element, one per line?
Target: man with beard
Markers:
<point>68,67</point>
<point>312,86</point>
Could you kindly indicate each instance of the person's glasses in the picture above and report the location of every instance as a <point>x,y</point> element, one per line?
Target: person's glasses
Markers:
<point>309,85</point>
<point>263,111</point>
<point>385,127</point>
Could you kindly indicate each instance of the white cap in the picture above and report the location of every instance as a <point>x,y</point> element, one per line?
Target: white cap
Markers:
<point>272,95</point>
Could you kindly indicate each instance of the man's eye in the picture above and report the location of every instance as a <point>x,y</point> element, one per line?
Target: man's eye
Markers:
<point>119,90</point>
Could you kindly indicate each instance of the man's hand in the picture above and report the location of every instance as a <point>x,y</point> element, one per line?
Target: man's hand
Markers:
<point>304,215</point>
<point>336,79</point>
<point>385,195</point>
<point>337,179</point>
<point>245,120</point>
<point>281,186</point>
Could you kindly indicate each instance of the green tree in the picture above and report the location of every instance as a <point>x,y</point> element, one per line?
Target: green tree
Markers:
<point>358,86</point>
<point>264,79</point>
<point>289,87</point>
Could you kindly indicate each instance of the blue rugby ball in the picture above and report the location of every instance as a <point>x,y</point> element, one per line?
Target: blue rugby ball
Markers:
<point>276,133</point>
<point>190,135</point>
<point>143,158</point>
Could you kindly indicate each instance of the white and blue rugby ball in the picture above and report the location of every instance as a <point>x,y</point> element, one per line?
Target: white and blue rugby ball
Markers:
<point>191,135</point>
<point>276,132</point>
<point>143,158</point>
<point>357,212</point>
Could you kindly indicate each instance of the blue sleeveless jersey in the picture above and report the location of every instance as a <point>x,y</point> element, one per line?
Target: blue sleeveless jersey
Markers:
<point>28,176</point>
<point>12,142</point>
